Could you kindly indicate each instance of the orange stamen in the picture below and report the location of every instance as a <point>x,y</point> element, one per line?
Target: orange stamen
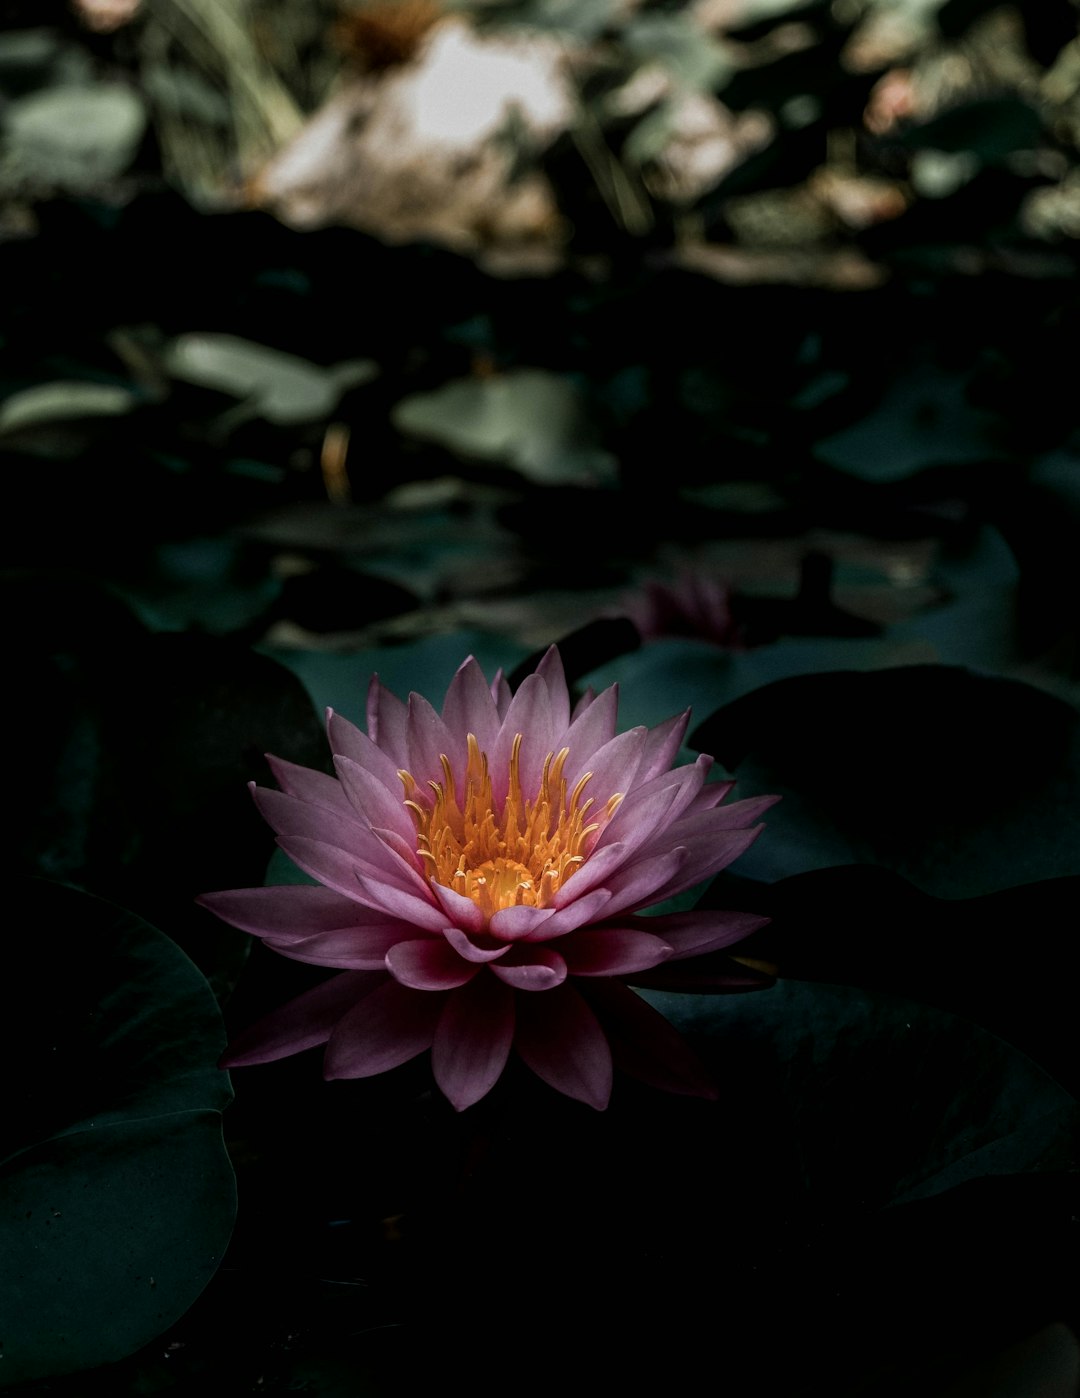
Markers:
<point>517,857</point>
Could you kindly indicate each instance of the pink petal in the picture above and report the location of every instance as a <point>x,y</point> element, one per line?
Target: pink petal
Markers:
<point>560,1039</point>
<point>511,924</point>
<point>662,746</point>
<point>593,727</point>
<point>472,1040</point>
<point>461,911</point>
<point>530,715</point>
<point>531,967</point>
<point>302,1023</point>
<point>642,819</point>
<point>688,780</point>
<point>706,855</point>
<point>692,781</point>
<point>387,1028</point>
<point>375,803</point>
<point>466,947</point>
<point>289,913</point>
<point>741,813</point>
<point>314,787</point>
<point>338,869</point>
<point>595,870</point>
<point>407,860</point>
<point>702,930</point>
<point>585,702</point>
<point>612,951</point>
<point>614,767</point>
<point>642,816</point>
<point>469,706</point>
<point>500,692</point>
<point>430,965</point>
<point>552,673</point>
<point>348,948</point>
<point>638,884</point>
<point>429,740</point>
<point>346,740</point>
<point>710,796</point>
<point>289,815</point>
<point>403,904</point>
<point>646,1046</point>
<point>578,912</point>
<point>386,722</point>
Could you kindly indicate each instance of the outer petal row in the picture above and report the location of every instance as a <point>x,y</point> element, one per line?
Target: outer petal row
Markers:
<point>303,1023</point>
<point>290,913</point>
<point>470,1031</point>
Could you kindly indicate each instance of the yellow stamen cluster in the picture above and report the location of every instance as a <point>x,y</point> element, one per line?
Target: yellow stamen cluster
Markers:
<point>518,857</point>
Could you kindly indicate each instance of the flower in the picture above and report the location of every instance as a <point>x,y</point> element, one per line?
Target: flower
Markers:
<point>481,872</point>
<point>697,604</point>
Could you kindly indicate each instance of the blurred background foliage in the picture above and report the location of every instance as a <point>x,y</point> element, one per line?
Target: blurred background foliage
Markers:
<point>386,320</point>
<point>736,338</point>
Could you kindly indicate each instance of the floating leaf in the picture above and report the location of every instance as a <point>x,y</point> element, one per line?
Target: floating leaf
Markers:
<point>960,782</point>
<point>991,959</point>
<point>116,1194</point>
<point>673,673</point>
<point>280,387</point>
<point>60,402</point>
<point>924,420</point>
<point>530,419</point>
<point>858,1139</point>
<point>885,1100</point>
<point>76,136</point>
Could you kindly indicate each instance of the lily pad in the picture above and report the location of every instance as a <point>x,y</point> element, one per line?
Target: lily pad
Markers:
<point>962,783</point>
<point>117,1197</point>
<point>857,1138</point>
<point>61,402</point>
<point>924,420</point>
<point>991,959</point>
<point>76,136</point>
<point>939,1100</point>
<point>280,387</point>
<point>530,419</point>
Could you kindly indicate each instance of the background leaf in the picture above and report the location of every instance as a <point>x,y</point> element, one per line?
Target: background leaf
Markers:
<point>76,136</point>
<point>51,401</point>
<point>529,418</point>
<point>280,387</point>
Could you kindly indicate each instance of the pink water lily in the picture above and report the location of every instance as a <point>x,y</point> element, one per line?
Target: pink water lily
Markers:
<point>481,872</point>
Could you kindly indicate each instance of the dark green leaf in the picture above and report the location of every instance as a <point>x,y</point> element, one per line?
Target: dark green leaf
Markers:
<point>882,1100</point>
<point>960,782</point>
<point>116,1194</point>
<point>996,959</point>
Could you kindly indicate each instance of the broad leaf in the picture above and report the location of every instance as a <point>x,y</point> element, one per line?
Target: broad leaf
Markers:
<point>960,782</point>
<point>280,387</point>
<point>530,419</point>
<point>116,1195</point>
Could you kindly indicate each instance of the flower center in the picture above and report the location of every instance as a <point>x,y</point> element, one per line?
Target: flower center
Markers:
<point>520,855</point>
